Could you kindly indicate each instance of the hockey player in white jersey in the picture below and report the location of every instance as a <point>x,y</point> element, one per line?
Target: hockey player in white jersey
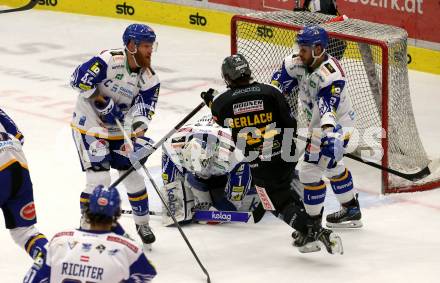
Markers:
<point>96,254</point>
<point>202,169</point>
<point>16,192</point>
<point>117,85</point>
<point>321,83</point>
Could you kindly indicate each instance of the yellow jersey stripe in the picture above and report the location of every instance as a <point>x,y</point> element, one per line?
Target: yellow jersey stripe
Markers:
<point>12,161</point>
<point>315,188</point>
<point>345,176</point>
<point>32,242</point>
<point>142,197</point>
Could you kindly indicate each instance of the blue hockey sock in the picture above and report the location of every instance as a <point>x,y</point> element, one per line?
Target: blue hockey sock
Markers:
<point>139,202</point>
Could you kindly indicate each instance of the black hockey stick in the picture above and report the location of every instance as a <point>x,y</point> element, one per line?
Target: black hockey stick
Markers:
<point>413,177</point>
<point>156,188</point>
<point>28,6</point>
<point>142,161</point>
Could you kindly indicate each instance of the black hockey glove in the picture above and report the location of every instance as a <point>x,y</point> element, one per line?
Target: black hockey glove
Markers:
<point>208,96</point>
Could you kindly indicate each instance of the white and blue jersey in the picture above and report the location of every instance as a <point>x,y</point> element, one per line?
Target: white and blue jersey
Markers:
<point>11,140</point>
<point>90,256</point>
<point>227,169</point>
<point>322,92</point>
<point>324,98</point>
<point>135,93</point>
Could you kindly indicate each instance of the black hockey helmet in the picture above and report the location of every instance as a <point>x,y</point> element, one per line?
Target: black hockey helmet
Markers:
<point>235,67</point>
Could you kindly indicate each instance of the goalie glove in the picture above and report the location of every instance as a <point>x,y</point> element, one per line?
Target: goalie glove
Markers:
<point>108,110</point>
<point>332,147</point>
<point>208,96</point>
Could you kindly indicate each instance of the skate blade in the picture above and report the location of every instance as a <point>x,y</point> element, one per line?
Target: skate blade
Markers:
<point>147,247</point>
<point>309,247</point>
<point>336,244</point>
<point>346,224</point>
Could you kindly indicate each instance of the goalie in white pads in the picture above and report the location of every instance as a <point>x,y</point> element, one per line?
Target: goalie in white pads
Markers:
<point>118,85</point>
<point>96,254</point>
<point>321,84</point>
<point>201,169</point>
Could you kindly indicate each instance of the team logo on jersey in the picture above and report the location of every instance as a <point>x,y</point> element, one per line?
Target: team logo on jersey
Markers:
<point>72,245</point>
<point>95,68</point>
<point>248,106</point>
<point>86,247</point>
<point>119,76</point>
<point>99,148</point>
<point>27,212</point>
<point>82,120</point>
<point>113,252</point>
<point>329,67</point>
<point>100,248</point>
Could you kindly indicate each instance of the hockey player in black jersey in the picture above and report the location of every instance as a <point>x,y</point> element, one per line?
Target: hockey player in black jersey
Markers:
<point>259,117</point>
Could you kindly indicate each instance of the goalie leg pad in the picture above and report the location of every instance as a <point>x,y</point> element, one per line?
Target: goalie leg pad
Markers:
<point>202,196</point>
<point>180,200</point>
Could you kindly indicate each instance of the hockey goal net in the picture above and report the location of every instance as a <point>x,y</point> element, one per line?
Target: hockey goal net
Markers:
<point>374,57</point>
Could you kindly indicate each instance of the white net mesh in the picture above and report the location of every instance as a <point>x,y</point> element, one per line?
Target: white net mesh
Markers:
<point>374,57</point>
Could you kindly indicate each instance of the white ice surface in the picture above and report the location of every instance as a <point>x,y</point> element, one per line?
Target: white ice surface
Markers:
<point>39,50</point>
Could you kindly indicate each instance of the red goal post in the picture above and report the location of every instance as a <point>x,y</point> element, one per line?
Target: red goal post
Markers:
<point>374,57</point>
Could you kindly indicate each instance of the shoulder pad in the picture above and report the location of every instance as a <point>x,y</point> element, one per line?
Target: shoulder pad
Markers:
<point>113,57</point>
<point>63,233</point>
<point>123,241</point>
<point>329,72</point>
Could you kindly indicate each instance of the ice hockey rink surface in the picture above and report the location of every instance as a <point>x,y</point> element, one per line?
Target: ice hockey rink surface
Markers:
<point>399,242</point>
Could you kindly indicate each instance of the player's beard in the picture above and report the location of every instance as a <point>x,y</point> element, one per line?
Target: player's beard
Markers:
<point>308,62</point>
<point>144,61</point>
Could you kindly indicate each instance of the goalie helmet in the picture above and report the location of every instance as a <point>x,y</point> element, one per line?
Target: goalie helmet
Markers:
<point>138,33</point>
<point>312,35</point>
<point>235,67</point>
<point>105,201</point>
<point>197,154</point>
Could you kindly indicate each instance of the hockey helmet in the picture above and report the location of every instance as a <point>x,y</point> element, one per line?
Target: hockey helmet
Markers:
<point>235,67</point>
<point>197,154</point>
<point>105,201</point>
<point>312,35</point>
<point>138,33</point>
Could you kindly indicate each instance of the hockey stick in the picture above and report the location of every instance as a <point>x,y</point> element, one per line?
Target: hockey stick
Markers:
<point>28,6</point>
<point>156,188</point>
<point>210,215</point>
<point>408,176</point>
<point>158,144</point>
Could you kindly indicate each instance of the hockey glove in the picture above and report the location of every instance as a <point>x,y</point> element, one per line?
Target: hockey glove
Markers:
<point>208,96</point>
<point>108,110</point>
<point>332,146</point>
<point>142,146</point>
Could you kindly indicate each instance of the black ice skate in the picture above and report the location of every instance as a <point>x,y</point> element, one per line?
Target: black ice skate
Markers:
<point>305,242</point>
<point>317,235</point>
<point>146,235</point>
<point>348,217</point>
<point>330,240</point>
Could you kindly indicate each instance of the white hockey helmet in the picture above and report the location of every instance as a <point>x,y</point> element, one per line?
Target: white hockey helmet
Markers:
<point>198,153</point>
